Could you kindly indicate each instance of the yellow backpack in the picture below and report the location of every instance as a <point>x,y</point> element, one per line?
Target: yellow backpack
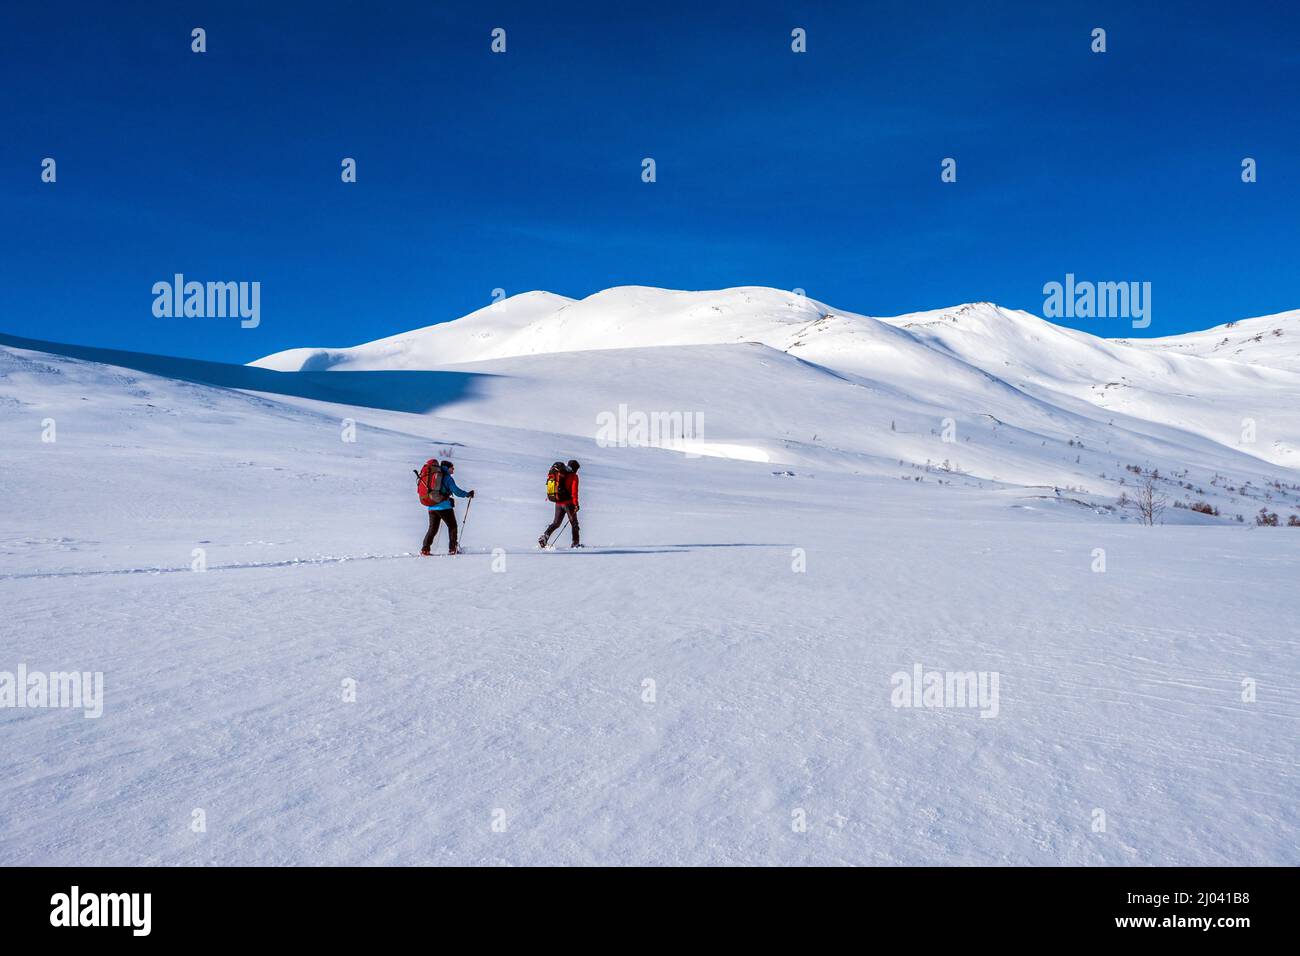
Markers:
<point>553,478</point>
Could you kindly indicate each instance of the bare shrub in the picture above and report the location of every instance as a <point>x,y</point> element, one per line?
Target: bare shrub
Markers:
<point>1148,503</point>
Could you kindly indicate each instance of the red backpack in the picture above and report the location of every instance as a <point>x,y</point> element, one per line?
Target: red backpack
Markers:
<point>429,484</point>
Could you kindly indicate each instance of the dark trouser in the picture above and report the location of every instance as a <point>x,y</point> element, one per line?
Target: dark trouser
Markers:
<point>435,517</point>
<point>560,512</point>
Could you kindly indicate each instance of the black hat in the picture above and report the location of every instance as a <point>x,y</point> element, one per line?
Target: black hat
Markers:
<point>573,464</point>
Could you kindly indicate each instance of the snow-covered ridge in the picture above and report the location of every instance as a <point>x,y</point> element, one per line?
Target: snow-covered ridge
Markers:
<point>1272,340</point>
<point>534,323</point>
<point>963,362</point>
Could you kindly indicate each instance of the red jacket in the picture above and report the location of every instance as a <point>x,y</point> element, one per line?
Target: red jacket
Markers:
<point>567,493</point>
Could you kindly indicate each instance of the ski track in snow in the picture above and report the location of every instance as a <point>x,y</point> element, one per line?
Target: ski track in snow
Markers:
<point>327,559</point>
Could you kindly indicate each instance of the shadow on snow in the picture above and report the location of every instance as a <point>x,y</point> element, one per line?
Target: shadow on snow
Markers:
<point>397,391</point>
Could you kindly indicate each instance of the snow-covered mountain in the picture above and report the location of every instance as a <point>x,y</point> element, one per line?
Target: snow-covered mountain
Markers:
<point>787,379</point>
<point>535,323</point>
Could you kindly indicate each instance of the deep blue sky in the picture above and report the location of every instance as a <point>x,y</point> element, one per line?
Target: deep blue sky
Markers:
<point>522,171</point>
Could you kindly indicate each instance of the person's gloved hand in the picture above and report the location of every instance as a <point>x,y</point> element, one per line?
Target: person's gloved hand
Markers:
<point>471,494</point>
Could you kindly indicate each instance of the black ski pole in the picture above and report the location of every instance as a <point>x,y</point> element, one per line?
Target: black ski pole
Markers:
<point>463,525</point>
<point>557,531</point>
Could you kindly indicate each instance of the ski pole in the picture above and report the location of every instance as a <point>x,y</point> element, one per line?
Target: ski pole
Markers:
<point>557,531</point>
<point>464,524</point>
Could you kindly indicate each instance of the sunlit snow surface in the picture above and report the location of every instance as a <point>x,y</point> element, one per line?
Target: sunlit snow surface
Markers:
<point>719,664</point>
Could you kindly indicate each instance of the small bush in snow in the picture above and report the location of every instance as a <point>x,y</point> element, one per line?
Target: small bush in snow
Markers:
<point>1148,503</point>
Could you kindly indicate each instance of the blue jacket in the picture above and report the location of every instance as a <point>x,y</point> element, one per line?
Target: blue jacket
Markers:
<point>450,487</point>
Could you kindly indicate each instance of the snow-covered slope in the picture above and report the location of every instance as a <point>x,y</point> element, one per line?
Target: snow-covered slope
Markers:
<point>488,332</point>
<point>722,660</point>
<point>1211,398</point>
<point>972,364</point>
<point>541,323</point>
<point>1270,340</point>
<point>721,664</point>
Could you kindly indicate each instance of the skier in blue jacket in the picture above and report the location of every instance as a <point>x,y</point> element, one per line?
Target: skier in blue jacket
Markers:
<point>444,510</point>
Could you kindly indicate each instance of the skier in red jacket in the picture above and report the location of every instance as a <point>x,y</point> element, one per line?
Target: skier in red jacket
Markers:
<point>566,505</point>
